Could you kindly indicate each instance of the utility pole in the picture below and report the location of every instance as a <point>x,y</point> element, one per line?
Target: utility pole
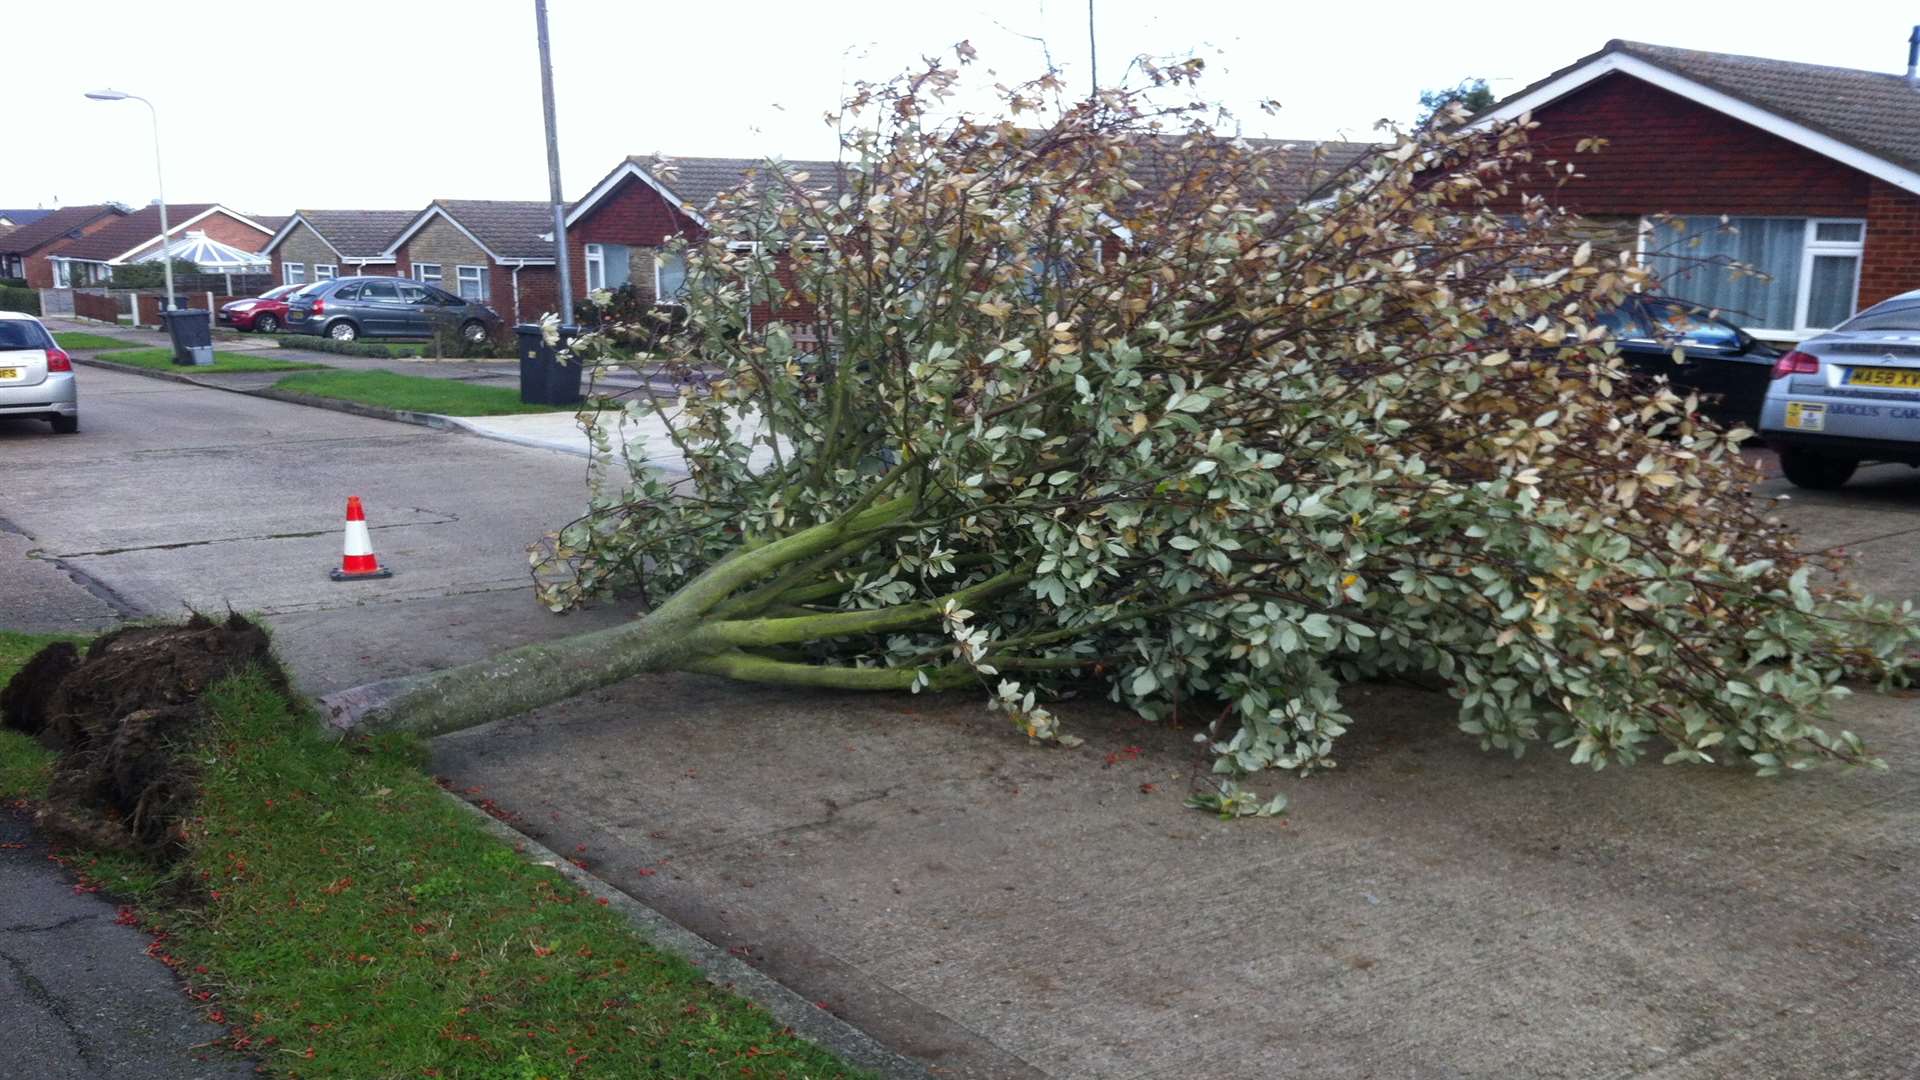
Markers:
<point>1093,51</point>
<point>560,260</point>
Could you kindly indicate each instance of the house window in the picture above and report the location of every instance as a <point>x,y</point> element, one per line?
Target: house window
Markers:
<point>1813,265</point>
<point>596,268</point>
<point>428,273</point>
<point>473,282</point>
<point>295,273</point>
<point>669,275</point>
<point>324,271</point>
<point>62,274</point>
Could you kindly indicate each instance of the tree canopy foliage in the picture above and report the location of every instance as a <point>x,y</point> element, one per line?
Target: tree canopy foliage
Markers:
<point>1468,97</point>
<point>1102,400</point>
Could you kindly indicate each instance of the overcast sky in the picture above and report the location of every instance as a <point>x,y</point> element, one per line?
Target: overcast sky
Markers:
<point>388,105</point>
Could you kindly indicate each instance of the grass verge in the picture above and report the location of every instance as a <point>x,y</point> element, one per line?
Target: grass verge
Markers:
<point>383,349</point>
<point>74,339</point>
<point>162,360</point>
<point>416,393</point>
<point>24,763</point>
<point>348,922</point>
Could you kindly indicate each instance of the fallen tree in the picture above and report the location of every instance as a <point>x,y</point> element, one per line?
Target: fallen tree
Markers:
<point>1215,426</point>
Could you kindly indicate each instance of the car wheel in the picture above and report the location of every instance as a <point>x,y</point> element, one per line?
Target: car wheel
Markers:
<point>475,331</point>
<point>1815,471</point>
<point>66,425</point>
<point>266,324</point>
<point>343,331</point>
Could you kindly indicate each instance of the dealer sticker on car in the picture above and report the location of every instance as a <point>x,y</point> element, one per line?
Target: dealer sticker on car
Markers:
<point>1806,416</point>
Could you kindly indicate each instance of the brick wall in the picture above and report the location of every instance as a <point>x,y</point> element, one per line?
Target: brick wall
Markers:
<point>303,246</point>
<point>1666,154</point>
<point>1891,264</point>
<point>439,241</point>
<point>636,215</point>
<point>539,293</point>
<point>632,214</point>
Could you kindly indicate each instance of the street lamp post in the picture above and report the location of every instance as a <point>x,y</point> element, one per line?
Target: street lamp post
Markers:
<point>159,179</point>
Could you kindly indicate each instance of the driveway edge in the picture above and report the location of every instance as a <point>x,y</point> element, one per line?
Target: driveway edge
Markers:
<point>817,1025</point>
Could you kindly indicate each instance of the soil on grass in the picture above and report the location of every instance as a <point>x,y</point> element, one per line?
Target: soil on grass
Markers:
<point>121,718</point>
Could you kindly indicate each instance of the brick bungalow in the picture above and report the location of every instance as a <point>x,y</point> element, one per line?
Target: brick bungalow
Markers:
<point>90,258</point>
<point>1817,168</point>
<point>615,232</point>
<point>24,251</point>
<point>488,250</point>
<point>320,245</point>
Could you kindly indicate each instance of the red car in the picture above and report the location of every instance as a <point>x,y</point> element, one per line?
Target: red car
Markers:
<point>265,313</point>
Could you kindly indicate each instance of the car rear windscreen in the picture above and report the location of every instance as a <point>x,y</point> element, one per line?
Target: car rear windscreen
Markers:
<point>1901,316</point>
<point>21,334</point>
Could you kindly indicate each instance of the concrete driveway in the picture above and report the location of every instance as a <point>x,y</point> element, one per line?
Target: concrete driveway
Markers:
<point>1427,911</point>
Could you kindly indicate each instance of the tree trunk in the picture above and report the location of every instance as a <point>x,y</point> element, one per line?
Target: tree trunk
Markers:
<point>512,682</point>
<point>712,625</point>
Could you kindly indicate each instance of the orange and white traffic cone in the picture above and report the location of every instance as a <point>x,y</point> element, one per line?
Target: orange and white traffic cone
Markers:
<point>358,562</point>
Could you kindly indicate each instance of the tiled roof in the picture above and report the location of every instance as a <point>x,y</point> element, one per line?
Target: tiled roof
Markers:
<point>271,221</point>
<point>130,232</point>
<point>511,229</point>
<point>1307,166</point>
<point>358,234</point>
<point>54,226</point>
<point>24,217</point>
<point>699,180</point>
<point>1875,112</point>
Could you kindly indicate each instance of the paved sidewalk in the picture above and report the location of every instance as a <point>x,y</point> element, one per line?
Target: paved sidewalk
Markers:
<point>1427,911</point>
<point>81,998</point>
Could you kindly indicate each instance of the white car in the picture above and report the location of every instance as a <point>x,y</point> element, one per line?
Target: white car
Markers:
<point>36,374</point>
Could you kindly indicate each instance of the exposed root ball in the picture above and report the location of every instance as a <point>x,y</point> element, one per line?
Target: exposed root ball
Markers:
<point>121,718</point>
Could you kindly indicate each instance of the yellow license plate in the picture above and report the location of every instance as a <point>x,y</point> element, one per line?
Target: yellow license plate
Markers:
<point>9,372</point>
<point>1902,378</point>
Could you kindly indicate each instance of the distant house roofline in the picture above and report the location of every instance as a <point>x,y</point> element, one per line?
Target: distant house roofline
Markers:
<point>1643,63</point>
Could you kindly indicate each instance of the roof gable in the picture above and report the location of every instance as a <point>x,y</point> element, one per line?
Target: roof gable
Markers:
<point>691,184</point>
<point>55,226</point>
<point>141,229</point>
<point>508,231</point>
<point>1866,120</point>
<point>354,235</point>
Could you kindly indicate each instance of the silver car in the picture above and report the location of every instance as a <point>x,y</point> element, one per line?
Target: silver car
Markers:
<point>36,374</point>
<point>1850,395</point>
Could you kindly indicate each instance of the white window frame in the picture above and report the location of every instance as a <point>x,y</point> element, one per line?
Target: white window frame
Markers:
<point>325,271</point>
<point>479,280</point>
<point>293,273</point>
<point>62,273</point>
<point>1809,247</point>
<point>420,274</point>
<point>596,267</point>
<point>658,255</point>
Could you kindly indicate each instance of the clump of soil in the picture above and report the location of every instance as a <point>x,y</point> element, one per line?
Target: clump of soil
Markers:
<point>121,719</point>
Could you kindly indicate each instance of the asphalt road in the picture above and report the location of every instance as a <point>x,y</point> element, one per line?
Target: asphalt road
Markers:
<point>175,497</point>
